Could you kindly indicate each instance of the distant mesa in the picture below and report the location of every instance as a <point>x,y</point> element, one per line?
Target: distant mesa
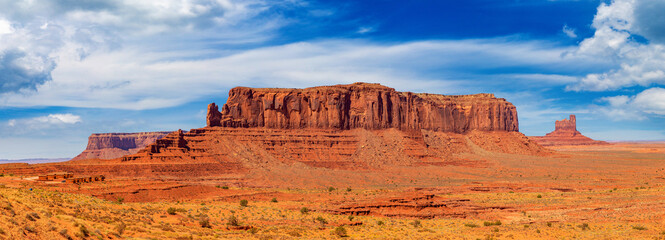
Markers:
<point>565,133</point>
<point>115,145</point>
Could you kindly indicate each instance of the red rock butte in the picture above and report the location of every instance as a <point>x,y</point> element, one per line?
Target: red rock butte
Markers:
<point>362,105</point>
<point>115,145</point>
<point>565,133</point>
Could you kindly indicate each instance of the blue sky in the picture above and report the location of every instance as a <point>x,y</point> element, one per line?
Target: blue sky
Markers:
<point>72,68</point>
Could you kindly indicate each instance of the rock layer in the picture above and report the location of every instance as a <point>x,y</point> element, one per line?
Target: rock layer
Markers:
<point>565,133</point>
<point>115,145</point>
<point>362,105</point>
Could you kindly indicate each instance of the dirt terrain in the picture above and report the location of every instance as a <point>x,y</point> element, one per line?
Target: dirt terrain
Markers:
<point>589,192</point>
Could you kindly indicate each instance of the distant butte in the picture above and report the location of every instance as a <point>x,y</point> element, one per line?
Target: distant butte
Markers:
<point>565,133</point>
<point>115,145</point>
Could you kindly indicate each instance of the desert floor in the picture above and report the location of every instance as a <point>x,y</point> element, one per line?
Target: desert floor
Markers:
<point>592,192</point>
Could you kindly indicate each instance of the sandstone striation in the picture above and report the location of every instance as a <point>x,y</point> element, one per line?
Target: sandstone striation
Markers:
<point>115,145</point>
<point>565,133</point>
<point>362,105</point>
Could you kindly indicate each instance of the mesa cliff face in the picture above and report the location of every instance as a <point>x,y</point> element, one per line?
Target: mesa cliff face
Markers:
<point>565,133</point>
<point>115,145</point>
<point>362,105</point>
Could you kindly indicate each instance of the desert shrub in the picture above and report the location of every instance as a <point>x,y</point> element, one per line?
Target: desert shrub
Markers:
<point>171,211</point>
<point>84,231</point>
<point>243,203</point>
<point>471,225</point>
<point>304,210</point>
<point>330,189</point>
<point>340,231</point>
<point>539,196</point>
<point>225,187</point>
<point>64,234</point>
<point>351,218</point>
<point>253,230</point>
<point>584,226</point>
<point>2,174</point>
<point>32,216</point>
<point>640,228</point>
<point>120,228</point>
<point>380,223</point>
<point>549,224</point>
<point>294,233</point>
<point>321,220</point>
<point>2,231</point>
<point>273,200</point>
<point>120,200</point>
<point>29,229</point>
<point>348,189</point>
<point>495,223</point>
<point>232,221</point>
<point>416,223</point>
<point>205,222</point>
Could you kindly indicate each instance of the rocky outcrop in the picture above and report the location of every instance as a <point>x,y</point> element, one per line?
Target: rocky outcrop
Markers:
<point>362,105</point>
<point>115,145</point>
<point>565,133</point>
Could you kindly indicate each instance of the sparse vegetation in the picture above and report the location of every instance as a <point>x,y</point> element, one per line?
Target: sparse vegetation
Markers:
<point>639,228</point>
<point>416,223</point>
<point>233,221</point>
<point>380,223</point>
<point>330,189</point>
<point>120,228</point>
<point>471,225</point>
<point>584,226</point>
<point>205,222</point>
<point>304,210</point>
<point>321,220</point>
<point>171,211</point>
<point>495,223</point>
<point>243,203</point>
<point>539,196</point>
<point>340,231</point>
<point>273,200</point>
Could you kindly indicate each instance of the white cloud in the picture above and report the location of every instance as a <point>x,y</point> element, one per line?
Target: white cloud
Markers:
<point>638,63</point>
<point>36,36</point>
<point>570,32</point>
<point>622,107</point>
<point>5,27</point>
<point>135,79</point>
<point>363,30</point>
<point>51,121</point>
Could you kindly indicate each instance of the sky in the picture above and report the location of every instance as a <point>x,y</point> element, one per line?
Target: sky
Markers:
<point>71,68</point>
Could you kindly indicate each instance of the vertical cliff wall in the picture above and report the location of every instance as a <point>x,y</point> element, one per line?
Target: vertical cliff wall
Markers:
<point>362,105</point>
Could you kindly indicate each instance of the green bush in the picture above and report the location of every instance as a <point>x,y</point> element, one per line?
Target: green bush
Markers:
<point>304,210</point>
<point>321,220</point>
<point>471,225</point>
<point>416,223</point>
<point>233,221</point>
<point>205,222</point>
<point>330,189</point>
<point>273,200</point>
<point>171,211</point>
<point>380,223</point>
<point>243,203</point>
<point>496,223</point>
<point>340,231</point>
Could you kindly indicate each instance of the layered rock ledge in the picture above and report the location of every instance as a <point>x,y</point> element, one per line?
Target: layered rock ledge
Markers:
<point>362,105</point>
